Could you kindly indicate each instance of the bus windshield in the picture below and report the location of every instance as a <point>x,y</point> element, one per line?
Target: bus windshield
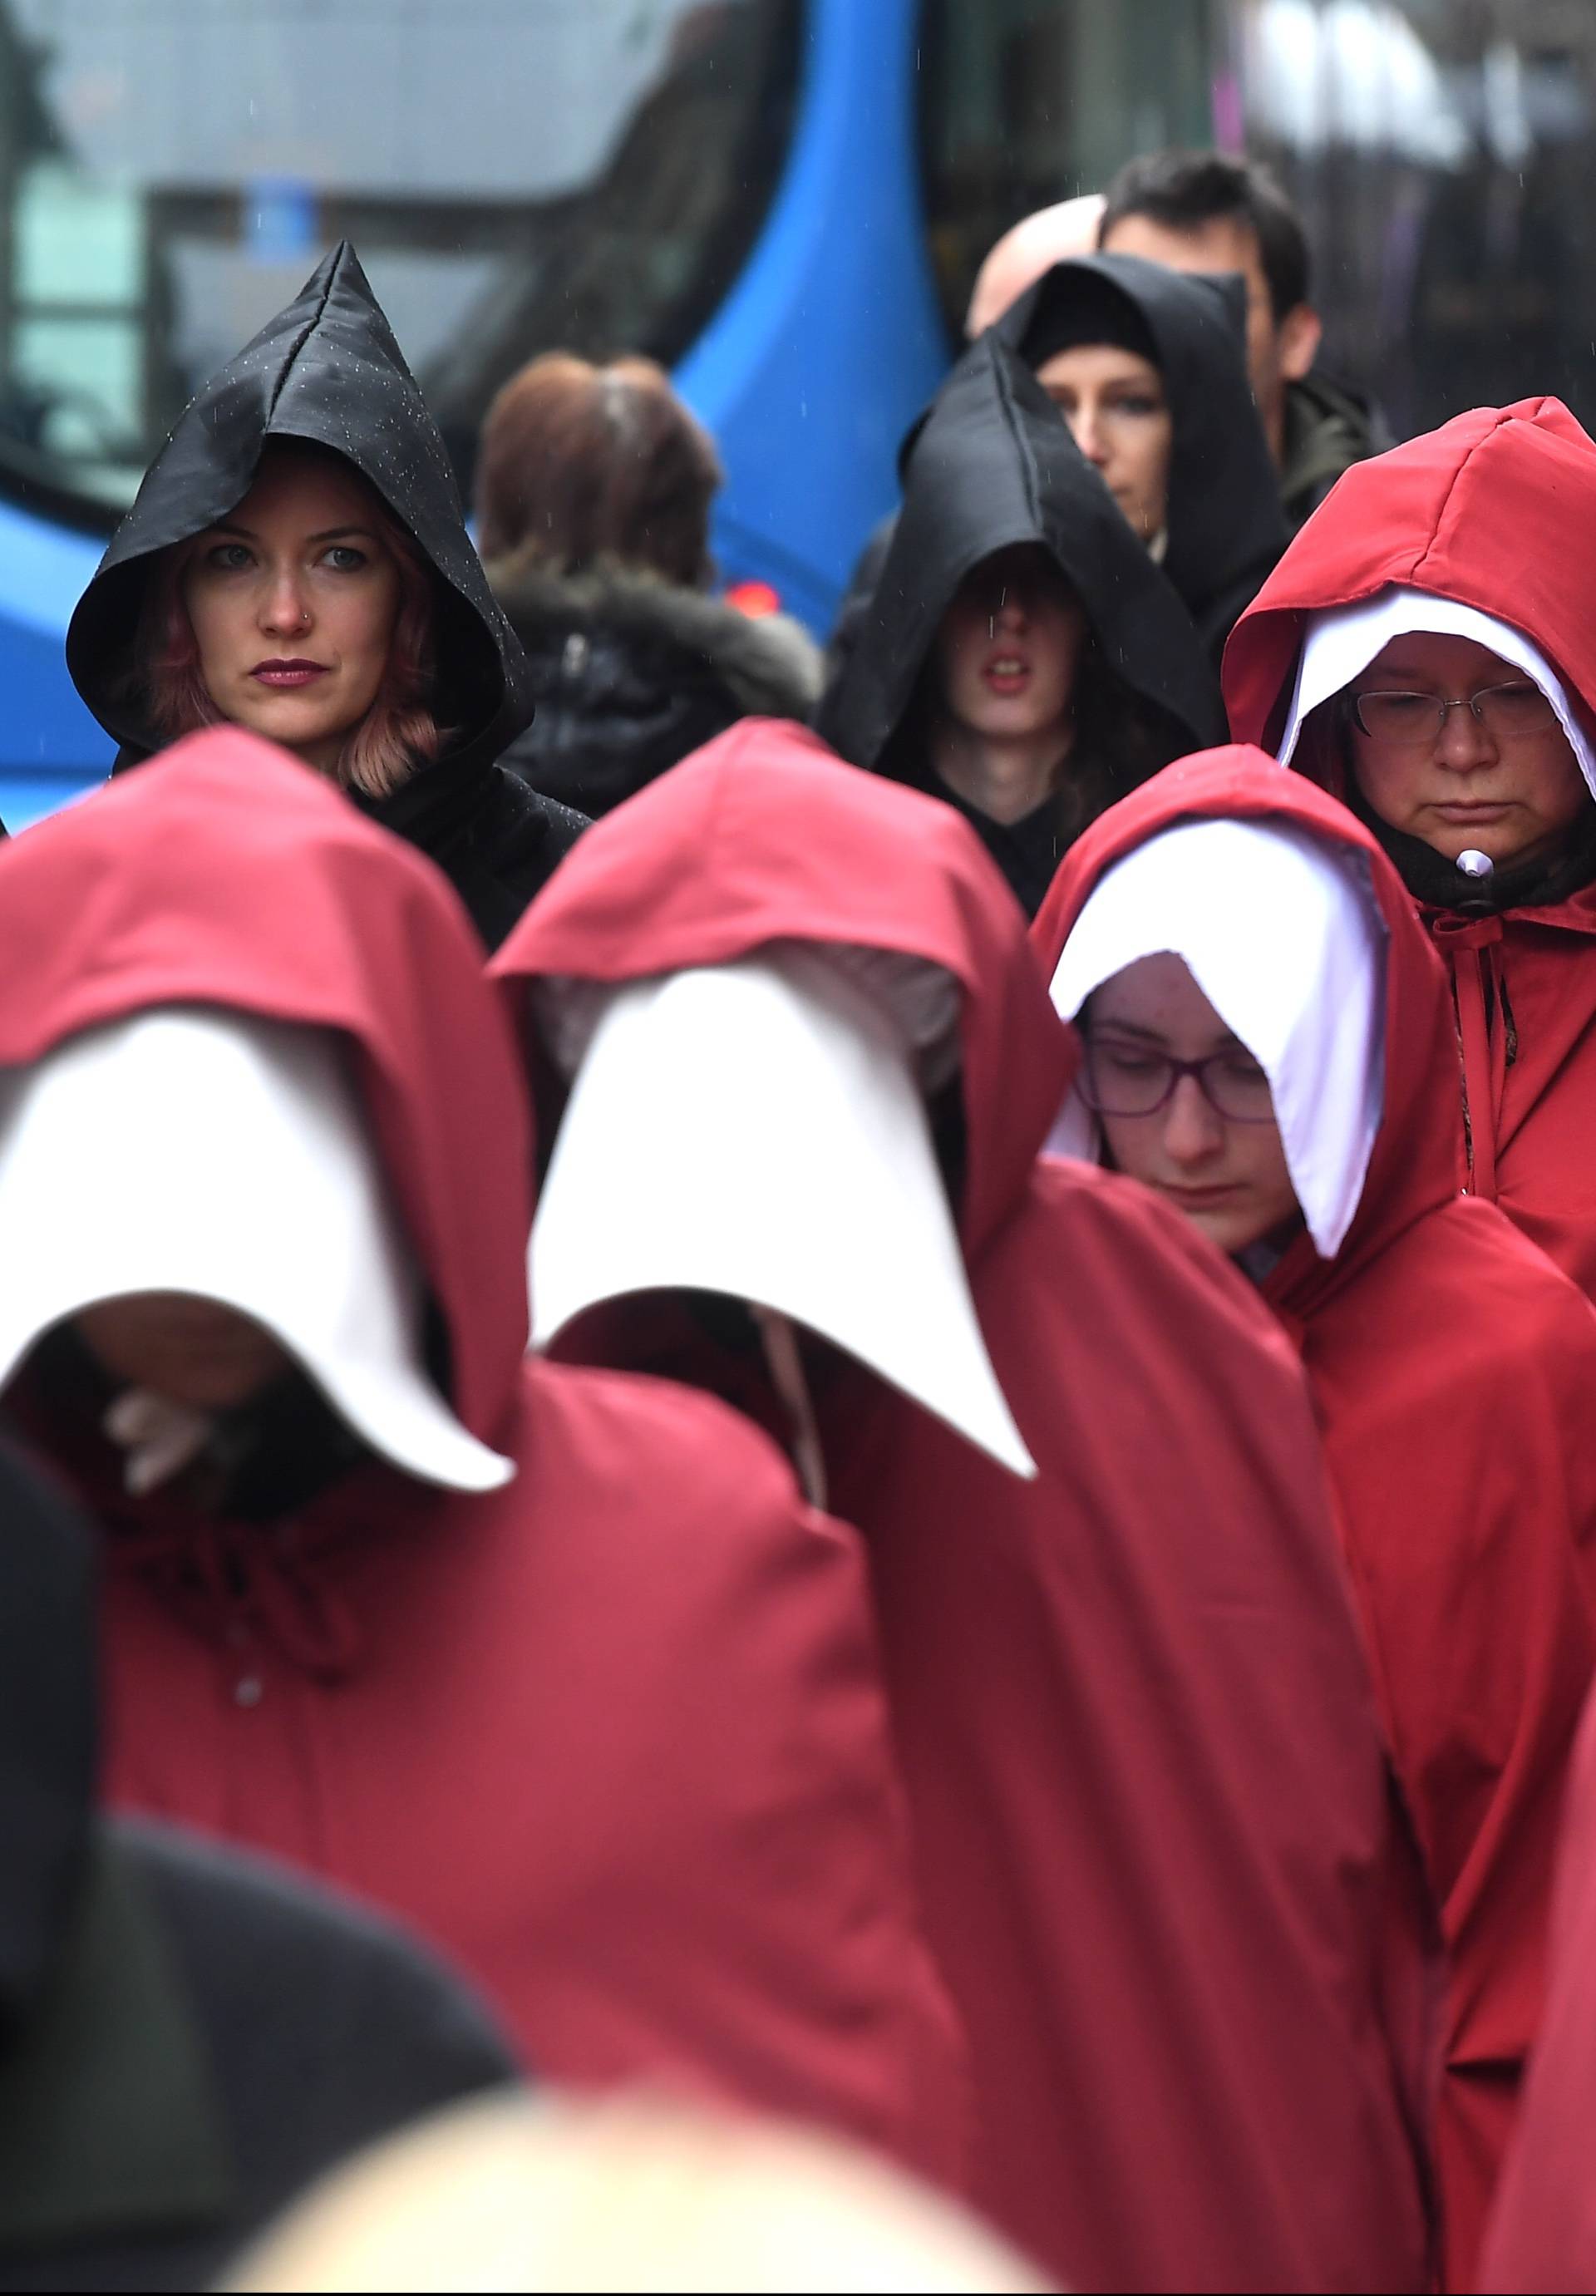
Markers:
<point>515,175</point>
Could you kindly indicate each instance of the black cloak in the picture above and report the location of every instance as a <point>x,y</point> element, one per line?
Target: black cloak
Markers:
<point>328,369</point>
<point>1225,525</point>
<point>187,2039</point>
<point>993,466</point>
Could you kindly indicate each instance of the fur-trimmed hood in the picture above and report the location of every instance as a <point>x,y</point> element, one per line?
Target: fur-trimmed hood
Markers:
<point>632,673</point>
<point>769,664</point>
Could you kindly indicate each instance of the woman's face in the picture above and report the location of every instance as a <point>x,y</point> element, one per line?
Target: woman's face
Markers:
<point>1007,647</point>
<point>190,1352</point>
<point>1228,1175</point>
<point>1115,406</point>
<point>293,598</point>
<point>1507,791</point>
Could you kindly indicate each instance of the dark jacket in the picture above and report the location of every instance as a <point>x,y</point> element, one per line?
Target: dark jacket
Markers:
<point>631,673</point>
<point>1328,428</point>
<point>186,2038</point>
<point>328,369</point>
<point>1225,525</point>
<point>991,467</point>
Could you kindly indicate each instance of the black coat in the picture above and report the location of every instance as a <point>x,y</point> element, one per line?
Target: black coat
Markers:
<point>993,466</point>
<point>187,2039</point>
<point>1225,525</point>
<point>631,674</point>
<point>328,369</point>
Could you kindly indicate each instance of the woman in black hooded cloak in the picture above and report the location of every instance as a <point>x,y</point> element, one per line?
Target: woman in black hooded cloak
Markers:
<point>1221,528</point>
<point>1021,655</point>
<point>297,562</point>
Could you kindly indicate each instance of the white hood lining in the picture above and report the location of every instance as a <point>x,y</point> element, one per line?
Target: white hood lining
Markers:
<point>758,1130</point>
<point>205,1152</point>
<point>1282,934</point>
<point>1342,641</point>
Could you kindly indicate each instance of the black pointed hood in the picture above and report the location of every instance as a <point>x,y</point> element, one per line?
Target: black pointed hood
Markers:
<point>1227,527</point>
<point>47,1730</point>
<point>327,369</point>
<point>992,466</point>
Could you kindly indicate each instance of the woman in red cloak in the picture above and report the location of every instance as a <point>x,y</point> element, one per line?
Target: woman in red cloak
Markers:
<point>1425,649</point>
<point>807,1063</point>
<point>1268,1039</point>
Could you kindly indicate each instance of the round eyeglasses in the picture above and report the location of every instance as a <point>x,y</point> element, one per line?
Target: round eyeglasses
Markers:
<point>1122,1078</point>
<point>1419,721</point>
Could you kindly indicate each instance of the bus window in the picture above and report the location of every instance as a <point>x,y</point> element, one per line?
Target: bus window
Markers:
<point>1027,102</point>
<point>1440,158</point>
<point>515,173</point>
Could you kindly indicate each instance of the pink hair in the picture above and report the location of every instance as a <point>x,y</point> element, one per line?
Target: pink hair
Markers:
<point>398,733</point>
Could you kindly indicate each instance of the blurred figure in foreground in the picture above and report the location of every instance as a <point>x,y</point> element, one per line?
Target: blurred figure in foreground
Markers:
<point>638,2193</point>
<point>1201,211</point>
<point>561,1669</point>
<point>187,2039</point>
<point>1155,1842</point>
<point>593,492</point>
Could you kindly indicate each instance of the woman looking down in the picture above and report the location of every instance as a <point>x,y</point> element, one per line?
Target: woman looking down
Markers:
<point>1424,651</point>
<point>1269,1048</point>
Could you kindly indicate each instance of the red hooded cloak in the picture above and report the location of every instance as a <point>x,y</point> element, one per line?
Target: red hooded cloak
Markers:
<point>1150,1805</point>
<point>613,1735</point>
<point>1543,2232</point>
<point>1494,511</point>
<point>1459,1453</point>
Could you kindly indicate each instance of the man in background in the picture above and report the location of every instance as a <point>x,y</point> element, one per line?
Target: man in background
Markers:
<point>1202,211</point>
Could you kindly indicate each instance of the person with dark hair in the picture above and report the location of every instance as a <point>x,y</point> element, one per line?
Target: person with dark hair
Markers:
<point>1202,211</point>
<point>1021,655</point>
<point>188,2038</point>
<point>297,563</point>
<point>562,1670</point>
<point>593,492</point>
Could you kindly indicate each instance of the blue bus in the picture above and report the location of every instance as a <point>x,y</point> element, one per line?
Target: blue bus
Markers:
<point>784,200</point>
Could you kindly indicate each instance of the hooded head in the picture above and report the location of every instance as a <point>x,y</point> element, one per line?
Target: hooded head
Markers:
<point>1225,524</point>
<point>324,373</point>
<point>1492,515</point>
<point>992,469</point>
<point>247,1059</point>
<point>808,1045</point>
<point>1298,931</point>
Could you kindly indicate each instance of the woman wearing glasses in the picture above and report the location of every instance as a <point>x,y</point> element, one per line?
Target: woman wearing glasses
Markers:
<point>1267,1043</point>
<point>1425,650</point>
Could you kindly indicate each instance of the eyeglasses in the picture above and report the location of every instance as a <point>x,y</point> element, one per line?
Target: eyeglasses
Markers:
<point>1419,721</point>
<point>1121,1078</point>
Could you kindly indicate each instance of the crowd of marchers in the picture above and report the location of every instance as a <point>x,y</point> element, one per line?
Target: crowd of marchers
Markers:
<point>901,1439</point>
